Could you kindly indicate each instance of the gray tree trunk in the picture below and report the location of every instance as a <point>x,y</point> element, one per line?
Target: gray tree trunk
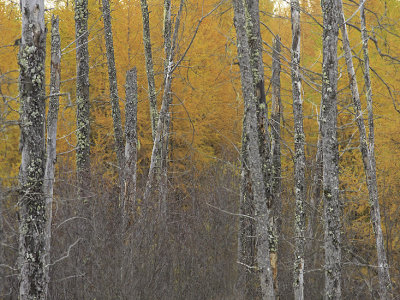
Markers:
<point>149,66</point>
<point>299,157</point>
<point>367,151</point>
<point>32,202</point>
<point>330,154</point>
<point>130,145</point>
<point>82,96</point>
<point>254,153</point>
<point>52,118</point>
<point>276,111</point>
<point>112,77</point>
<point>385,283</point>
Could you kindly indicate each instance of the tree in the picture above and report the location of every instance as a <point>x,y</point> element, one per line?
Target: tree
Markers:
<point>299,157</point>
<point>82,95</point>
<point>330,153</point>
<point>251,131</point>
<point>32,201</point>
<point>52,119</point>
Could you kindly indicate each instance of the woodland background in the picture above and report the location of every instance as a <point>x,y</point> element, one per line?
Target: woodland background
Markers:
<point>197,257</point>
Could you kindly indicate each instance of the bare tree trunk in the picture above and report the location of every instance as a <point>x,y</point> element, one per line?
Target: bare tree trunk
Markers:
<point>32,202</point>
<point>112,77</point>
<point>149,67</point>
<point>385,283</point>
<point>82,96</point>
<point>367,151</point>
<point>254,154</point>
<point>332,207</point>
<point>52,118</point>
<point>130,145</point>
<point>2,240</point>
<point>162,122</point>
<point>276,205</point>
<point>299,157</point>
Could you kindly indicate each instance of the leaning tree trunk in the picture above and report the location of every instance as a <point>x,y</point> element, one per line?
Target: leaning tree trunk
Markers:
<point>82,96</point>
<point>32,202</point>
<point>254,155</point>
<point>330,154</point>
<point>112,77</point>
<point>149,66</point>
<point>276,205</point>
<point>52,118</point>
<point>299,157</point>
<point>367,152</point>
<point>385,283</point>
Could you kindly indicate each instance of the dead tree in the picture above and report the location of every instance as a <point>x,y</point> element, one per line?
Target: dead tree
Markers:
<point>52,118</point>
<point>251,132</point>
<point>299,156</point>
<point>82,95</point>
<point>276,111</point>
<point>330,153</point>
<point>149,66</point>
<point>367,148</point>
<point>112,77</point>
<point>32,202</point>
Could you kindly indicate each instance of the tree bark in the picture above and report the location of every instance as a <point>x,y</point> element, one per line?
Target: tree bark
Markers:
<point>149,67</point>
<point>276,111</point>
<point>332,207</point>
<point>32,202</point>
<point>52,118</point>
<point>367,151</point>
<point>254,153</point>
<point>299,157</point>
<point>130,145</point>
<point>112,77</point>
<point>82,96</point>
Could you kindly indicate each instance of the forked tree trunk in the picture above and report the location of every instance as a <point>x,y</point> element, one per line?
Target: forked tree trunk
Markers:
<point>276,205</point>
<point>52,118</point>
<point>254,157</point>
<point>112,77</point>
<point>367,151</point>
<point>82,96</point>
<point>32,202</point>
<point>330,154</point>
<point>149,66</point>
<point>299,156</point>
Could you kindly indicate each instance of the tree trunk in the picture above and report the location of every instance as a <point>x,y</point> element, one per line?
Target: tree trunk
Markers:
<point>299,157</point>
<point>332,208</point>
<point>52,118</point>
<point>130,145</point>
<point>32,202</point>
<point>112,77</point>
<point>82,96</point>
<point>254,157</point>
<point>149,67</point>
<point>276,111</point>
<point>367,152</point>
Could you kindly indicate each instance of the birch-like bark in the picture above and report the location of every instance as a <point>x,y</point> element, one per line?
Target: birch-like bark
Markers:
<point>32,202</point>
<point>332,208</point>
<point>112,77</point>
<point>299,157</point>
<point>130,145</point>
<point>276,205</point>
<point>254,156</point>
<point>82,95</point>
<point>385,283</point>
<point>52,118</point>
<point>157,152</point>
<point>149,66</point>
<point>367,151</point>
